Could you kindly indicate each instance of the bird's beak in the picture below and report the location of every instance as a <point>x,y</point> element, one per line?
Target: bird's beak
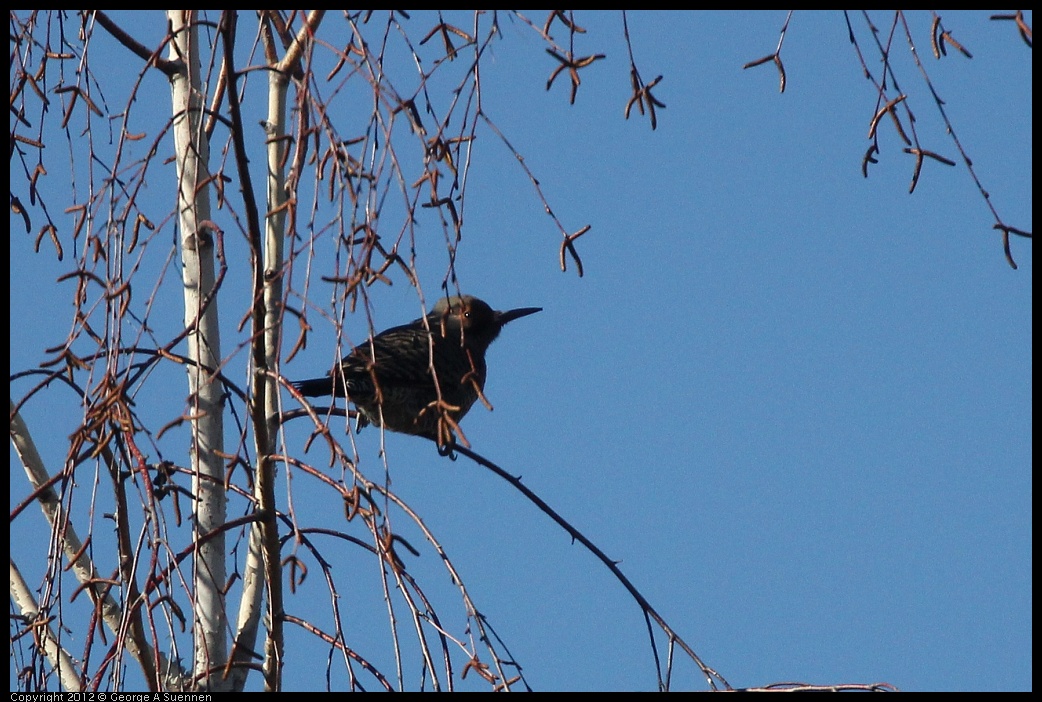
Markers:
<point>510,315</point>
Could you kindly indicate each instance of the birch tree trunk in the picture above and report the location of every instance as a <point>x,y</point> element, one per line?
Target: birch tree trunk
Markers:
<point>204,350</point>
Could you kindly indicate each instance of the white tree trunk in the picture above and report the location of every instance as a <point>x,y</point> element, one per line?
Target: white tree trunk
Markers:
<point>204,348</point>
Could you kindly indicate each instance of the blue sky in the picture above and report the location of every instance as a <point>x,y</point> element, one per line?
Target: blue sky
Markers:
<point>792,402</point>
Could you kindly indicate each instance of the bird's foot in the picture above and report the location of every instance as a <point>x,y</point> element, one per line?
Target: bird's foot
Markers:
<point>448,449</point>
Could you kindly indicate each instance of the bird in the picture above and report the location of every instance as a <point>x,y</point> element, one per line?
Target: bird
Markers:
<point>389,378</point>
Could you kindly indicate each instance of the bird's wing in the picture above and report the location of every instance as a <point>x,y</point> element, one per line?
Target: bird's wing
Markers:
<point>399,357</point>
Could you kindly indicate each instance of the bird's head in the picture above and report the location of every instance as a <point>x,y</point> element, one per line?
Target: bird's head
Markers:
<point>472,319</point>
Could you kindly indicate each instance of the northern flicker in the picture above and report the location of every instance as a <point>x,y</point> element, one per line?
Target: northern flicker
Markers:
<point>389,377</point>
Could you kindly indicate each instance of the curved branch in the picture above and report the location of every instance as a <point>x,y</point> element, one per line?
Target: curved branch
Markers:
<point>712,677</point>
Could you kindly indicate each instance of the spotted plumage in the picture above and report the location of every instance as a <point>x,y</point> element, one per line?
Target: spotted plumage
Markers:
<point>389,377</point>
